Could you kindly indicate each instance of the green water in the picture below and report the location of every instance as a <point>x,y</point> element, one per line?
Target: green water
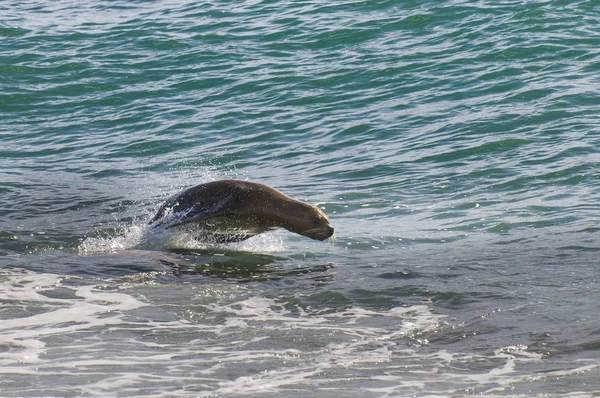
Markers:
<point>453,145</point>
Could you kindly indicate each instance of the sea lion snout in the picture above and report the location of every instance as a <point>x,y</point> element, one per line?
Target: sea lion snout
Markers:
<point>321,228</point>
<point>320,234</point>
<point>328,232</point>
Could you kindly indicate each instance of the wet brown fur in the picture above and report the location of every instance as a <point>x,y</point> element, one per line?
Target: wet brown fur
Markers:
<point>233,210</point>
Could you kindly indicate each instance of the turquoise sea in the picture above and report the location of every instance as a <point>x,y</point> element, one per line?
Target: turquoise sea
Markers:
<point>454,145</point>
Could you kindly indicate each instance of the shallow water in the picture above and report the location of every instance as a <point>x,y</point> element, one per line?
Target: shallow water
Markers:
<point>454,147</point>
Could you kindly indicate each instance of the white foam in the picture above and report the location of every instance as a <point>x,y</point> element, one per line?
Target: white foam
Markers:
<point>106,341</point>
<point>57,316</point>
<point>243,337</point>
<point>359,343</point>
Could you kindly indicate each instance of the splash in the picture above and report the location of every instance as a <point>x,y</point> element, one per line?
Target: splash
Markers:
<point>140,236</point>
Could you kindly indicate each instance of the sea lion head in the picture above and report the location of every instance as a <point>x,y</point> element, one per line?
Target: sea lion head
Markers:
<point>304,219</point>
<point>319,228</point>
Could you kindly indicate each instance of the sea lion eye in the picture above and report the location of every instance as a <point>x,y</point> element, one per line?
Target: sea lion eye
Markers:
<point>316,220</point>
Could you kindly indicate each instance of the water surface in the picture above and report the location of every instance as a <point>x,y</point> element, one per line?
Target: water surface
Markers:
<point>454,146</point>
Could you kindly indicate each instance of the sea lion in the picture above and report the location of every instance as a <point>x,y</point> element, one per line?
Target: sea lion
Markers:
<point>232,211</point>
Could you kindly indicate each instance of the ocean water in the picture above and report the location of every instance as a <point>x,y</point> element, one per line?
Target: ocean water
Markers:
<point>455,147</point>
